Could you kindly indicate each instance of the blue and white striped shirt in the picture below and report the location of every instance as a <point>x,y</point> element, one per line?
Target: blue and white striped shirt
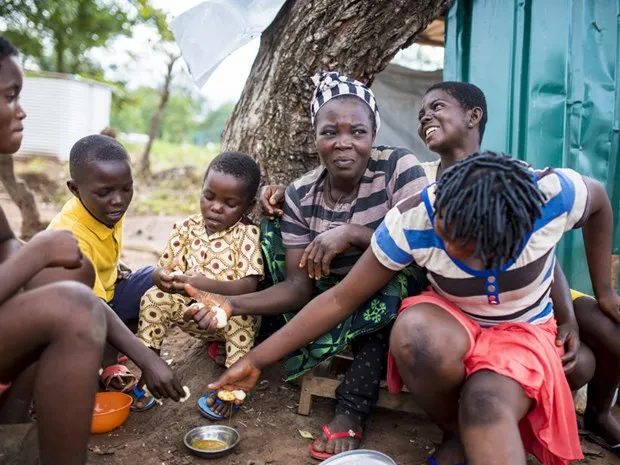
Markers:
<point>520,291</point>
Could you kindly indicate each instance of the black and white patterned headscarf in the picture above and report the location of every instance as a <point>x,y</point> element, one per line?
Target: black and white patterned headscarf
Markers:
<point>330,84</point>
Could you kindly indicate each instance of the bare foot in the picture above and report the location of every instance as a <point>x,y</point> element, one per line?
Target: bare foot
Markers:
<point>603,425</point>
<point>338,424</point>
<point>221,408</point>
<point>450,451</point>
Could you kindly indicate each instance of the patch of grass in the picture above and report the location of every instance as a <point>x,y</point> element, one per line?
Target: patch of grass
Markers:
<point>163,198</point>
<point>165,155</point>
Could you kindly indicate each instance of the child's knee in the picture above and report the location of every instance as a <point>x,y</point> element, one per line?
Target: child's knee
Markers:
<point>483,402</point>
<point>412,342</point>
<point>82,312</point>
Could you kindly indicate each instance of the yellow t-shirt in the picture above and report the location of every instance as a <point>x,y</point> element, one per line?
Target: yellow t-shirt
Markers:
<point>576,294</point>
<point>102,245</point>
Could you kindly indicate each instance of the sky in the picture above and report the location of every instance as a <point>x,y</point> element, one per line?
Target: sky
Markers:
<point>226,84</point>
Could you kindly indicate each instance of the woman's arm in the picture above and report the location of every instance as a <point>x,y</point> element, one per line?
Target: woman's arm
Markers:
<point>326,311</point>
<point>230,288</point>
<point>323,313</point>
<point>290,295</point>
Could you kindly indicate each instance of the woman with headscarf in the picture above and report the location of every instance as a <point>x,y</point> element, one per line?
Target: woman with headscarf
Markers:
<point>330,214</point>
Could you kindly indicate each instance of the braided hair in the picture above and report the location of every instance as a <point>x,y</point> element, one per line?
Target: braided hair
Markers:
<point>492,198</point>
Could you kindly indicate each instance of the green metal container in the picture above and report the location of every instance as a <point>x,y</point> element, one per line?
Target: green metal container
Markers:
<point>550,70</point>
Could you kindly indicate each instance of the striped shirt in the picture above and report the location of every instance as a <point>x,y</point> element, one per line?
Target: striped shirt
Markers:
<point>392,174</point>
<point>520,291</point>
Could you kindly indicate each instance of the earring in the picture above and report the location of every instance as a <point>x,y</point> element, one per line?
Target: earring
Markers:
<point>471,125</point>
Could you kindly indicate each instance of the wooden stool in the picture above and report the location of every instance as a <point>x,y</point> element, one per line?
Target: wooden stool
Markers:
<point>321,382</point>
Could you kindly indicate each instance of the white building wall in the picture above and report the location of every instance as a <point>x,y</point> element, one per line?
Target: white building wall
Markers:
<point>59,112</point>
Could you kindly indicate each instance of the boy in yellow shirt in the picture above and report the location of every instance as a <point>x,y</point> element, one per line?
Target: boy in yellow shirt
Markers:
<point>102,185</point>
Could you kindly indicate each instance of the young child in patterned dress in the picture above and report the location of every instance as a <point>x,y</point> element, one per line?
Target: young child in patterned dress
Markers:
<point>215,251</point>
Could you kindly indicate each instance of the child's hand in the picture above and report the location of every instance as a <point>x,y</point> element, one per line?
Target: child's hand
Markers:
<point>204,312</point>
<point>160,380</point>
<point>242,375</point>
<point>272,200</point>
<point>610,304</point>
<point>180,280</point>
<point>123,271</point>
<point>568,337</point>
<point>58,248</point>
<point>162,279</point>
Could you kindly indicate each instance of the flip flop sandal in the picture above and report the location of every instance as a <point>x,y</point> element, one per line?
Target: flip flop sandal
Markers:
<point>604,444</point>
<point>137,394</point>
<point>329,435</point>
<point>432,461</point>
<point>118,373</point>
<point>205,408</point>
<point>214,353</point>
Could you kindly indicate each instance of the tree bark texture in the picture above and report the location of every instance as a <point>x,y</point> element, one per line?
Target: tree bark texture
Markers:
<point>357,38</point>
<point>145,163</point>
<point>23,198</point>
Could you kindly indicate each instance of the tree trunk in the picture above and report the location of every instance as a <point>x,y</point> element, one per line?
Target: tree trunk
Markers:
<point>145,164</point>
<point>23,198</point>
<point>60,53</point>
<point>355,37</point>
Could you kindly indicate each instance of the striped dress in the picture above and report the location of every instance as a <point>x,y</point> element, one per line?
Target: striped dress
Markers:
<point>392,175</point>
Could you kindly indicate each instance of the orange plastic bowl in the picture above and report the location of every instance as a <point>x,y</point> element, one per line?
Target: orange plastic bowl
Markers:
<point>111,411</point>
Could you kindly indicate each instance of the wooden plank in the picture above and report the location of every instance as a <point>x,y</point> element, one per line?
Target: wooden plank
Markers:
<point>326,387</point>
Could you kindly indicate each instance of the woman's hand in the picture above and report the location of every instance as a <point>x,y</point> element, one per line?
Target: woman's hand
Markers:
<point>327,245</point>
<point>272,200</point>
<point>568,337</point>
<point>242,375</point>
<point>203,312</point>
<point>610,305</point>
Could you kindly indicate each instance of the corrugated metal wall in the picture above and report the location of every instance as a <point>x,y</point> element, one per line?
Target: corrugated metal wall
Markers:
<point>59,112</point>
<point>550,70</point>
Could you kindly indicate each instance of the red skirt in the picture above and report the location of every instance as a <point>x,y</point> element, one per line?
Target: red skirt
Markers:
<point>527,354</point>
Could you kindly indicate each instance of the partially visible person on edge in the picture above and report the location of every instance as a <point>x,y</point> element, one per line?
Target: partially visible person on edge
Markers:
<point>102,185</point>
<point>218,251</point>
<point>55,332</point>
<point>448,107</point>
<point>329,217</point>
<point>457,119</point>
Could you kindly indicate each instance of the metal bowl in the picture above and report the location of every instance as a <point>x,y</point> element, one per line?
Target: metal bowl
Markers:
<point>356,457</point>
<point>220,432</point>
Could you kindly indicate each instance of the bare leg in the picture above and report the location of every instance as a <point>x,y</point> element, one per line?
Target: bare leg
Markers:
<point>490,410</point>
<point>63,327</point>
<point>600,333</point>
<point>428,345</point>
<point>19,398</point>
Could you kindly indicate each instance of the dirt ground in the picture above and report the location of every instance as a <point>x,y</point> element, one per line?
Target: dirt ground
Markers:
<point>268,423</point>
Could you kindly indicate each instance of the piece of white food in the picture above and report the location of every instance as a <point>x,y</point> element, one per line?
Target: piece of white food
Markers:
<point>187,394</point>
<point>220,316</point>
<point>239,394</point>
